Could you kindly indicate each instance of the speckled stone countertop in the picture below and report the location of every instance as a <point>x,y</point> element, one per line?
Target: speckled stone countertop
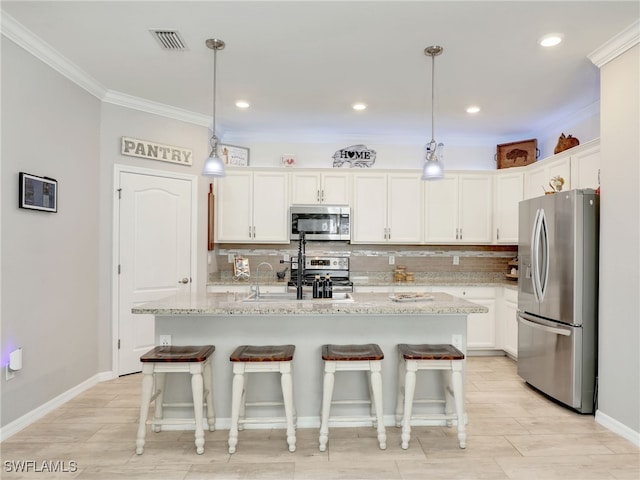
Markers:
<point>364,303</point>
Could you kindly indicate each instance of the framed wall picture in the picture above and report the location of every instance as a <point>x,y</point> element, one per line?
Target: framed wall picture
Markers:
<point>234,156</point>
<point>517,154</point>
<point>38,193</point>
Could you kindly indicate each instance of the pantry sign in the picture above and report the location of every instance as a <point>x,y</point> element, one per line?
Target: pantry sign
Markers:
<point>156,151</point>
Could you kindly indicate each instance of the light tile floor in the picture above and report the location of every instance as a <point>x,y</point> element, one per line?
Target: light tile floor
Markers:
<point>513,433</point>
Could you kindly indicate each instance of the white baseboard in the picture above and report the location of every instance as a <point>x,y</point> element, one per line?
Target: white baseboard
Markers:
<point>36,414</point>
<point>618,428</point>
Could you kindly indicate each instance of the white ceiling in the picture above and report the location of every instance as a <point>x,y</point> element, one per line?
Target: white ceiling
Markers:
<point>301,64</point>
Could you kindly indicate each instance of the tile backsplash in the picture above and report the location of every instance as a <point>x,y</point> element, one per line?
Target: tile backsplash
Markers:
<point>373,258</point>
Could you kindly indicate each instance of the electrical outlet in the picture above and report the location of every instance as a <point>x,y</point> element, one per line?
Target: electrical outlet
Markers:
<point>230,258</point>
<point>456,260</point>
<point>165,340</point>
<point>286,257</point>
<point>392,260</point>
<point>456,341</point>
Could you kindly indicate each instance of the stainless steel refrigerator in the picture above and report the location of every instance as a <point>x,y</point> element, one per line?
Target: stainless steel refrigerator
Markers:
<point>558,296</point>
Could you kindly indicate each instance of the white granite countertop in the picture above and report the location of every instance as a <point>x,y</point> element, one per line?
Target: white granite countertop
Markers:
<point>364,303</point>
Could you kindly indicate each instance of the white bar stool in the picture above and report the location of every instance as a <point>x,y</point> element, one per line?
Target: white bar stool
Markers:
<point>445,358</point>
<point>260,359</point>
<point>349,358</point>
<point>156,363</point>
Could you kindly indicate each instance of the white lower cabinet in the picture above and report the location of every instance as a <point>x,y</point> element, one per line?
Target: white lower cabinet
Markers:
<point>481,327</point>
<point>508,324</point>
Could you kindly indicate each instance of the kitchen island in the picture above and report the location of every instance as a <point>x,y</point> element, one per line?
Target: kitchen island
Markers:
<point>227,321</point>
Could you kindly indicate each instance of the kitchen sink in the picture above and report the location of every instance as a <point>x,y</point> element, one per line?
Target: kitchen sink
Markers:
<point>338,297</point>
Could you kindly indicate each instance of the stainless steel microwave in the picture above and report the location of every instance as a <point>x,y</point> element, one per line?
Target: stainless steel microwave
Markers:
<point>320,222</point>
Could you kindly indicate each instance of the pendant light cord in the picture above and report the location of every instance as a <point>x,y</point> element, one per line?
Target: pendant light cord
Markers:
<point>433,105</point>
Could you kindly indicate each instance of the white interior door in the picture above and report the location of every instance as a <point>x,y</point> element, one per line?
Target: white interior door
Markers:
<point>154,254</point>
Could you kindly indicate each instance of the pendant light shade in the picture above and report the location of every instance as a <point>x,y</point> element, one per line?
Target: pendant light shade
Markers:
<point>432,168</point>
<point>214,166</point>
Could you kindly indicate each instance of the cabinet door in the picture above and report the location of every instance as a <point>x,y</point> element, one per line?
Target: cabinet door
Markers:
<point>234,198</point>
<point>270,207</point>
<point>481,327</point>
<point>369,208</point>
<point>476,207</point>
<point>404,208</point>
<point>585,168</point>
<point>509,192</point>
<point>441,210</point>
<point>509,322</point>
<point>536,179</point>
<point>305,188</point>
<point>335,188</point>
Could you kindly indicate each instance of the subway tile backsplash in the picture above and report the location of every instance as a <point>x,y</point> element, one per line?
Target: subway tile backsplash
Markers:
<point>374,259</point>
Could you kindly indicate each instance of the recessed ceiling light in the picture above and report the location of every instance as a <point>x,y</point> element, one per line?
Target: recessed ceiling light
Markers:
<point>473,109</point>
<point>359,106</point>
<point>242,104</point>
<point>551,39</point>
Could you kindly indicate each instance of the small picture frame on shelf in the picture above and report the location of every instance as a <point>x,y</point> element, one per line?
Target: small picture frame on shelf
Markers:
<point>288,160</point>
<point>38,193</point>
<point>234,155</point>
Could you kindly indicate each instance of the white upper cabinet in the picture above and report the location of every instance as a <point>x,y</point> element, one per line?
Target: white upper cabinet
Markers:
<point>386,208</point>
<point>458,209</point>
<point>312,187</point>
<point>509,188</point>
<point>252,207</point>
<point>585,166</point>
<point>539,174</point>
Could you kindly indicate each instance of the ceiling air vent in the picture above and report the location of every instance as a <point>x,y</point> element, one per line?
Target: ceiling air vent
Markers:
<point>169,39</point>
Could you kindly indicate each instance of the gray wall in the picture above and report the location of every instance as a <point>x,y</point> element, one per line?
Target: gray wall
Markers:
<point>50,127</point>
<point>116,123</point>
<point>619,360</point>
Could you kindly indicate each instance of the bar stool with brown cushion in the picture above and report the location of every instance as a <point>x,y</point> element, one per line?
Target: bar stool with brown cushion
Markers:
<point>442,357</point>
<point>159,361</point>
<point>343,358</point>
<point>261,359</point>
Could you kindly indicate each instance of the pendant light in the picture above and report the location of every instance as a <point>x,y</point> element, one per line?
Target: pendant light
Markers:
<point>214,166</point>
<point>432,169</point>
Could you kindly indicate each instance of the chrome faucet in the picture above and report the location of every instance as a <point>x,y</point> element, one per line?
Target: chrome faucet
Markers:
<point>256,288</point>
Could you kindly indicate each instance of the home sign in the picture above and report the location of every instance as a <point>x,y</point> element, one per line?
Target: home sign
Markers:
<point>355,156</point>
<point>156,151</point>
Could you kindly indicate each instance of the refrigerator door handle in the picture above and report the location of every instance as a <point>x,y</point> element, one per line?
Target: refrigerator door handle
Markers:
<point>540,247</point>
<point>546,328</point>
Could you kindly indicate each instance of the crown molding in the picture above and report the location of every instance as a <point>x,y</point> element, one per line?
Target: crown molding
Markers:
<point>18,34</point>
<point>156,108</point>
<point>21,36</point>
<point>616,46</point>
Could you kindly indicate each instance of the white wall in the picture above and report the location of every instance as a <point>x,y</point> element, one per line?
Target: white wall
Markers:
<point>619,361</point>
<point>50,127</point>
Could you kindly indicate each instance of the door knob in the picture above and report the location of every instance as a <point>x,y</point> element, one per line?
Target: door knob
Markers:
<point>184,280</point>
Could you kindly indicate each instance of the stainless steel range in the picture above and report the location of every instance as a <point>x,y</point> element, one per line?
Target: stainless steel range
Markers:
<point>336,267</point>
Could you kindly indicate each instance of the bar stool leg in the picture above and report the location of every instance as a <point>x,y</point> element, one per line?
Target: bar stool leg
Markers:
<point>409,390</point>
<point>198,393</point>
<point>208,386</point>
<point>160,382</point>
<point>400,393</point>
<point>287,396</point>
<point>237,391</point>
<point>456,380</point>
<point>147,387</point>
<point>327,396</point>
<point>376,386</point>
